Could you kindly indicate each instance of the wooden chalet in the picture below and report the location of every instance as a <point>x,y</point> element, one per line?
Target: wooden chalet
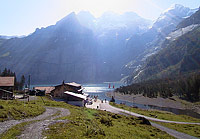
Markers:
<point>6,87</point>
<point>75,99</point>
<point>59,90</point>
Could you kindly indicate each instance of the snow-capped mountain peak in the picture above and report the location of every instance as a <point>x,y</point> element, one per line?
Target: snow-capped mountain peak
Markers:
<point>172,16</point>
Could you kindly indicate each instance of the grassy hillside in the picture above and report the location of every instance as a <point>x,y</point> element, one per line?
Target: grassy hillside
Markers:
<point>88,123</point>
<point>158,114</point>
<point>193,130</point>
<point>14,109</point>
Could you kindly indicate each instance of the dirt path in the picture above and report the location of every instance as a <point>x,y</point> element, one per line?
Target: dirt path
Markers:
<point>46,118</point>
<point>34,130</point>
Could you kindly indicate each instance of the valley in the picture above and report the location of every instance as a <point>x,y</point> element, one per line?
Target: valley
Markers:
<point>118,75</point>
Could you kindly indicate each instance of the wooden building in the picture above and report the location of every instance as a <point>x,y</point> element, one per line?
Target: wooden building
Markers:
<point>6,87</point>
<point>74,98</point>
<point>59,90</point>
<point>47,89</point>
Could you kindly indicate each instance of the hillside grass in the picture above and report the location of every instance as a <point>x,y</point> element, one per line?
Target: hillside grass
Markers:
<point>193,130</point>
<point>158,114</point>
<point>15,109</point>
<point>89,123</point>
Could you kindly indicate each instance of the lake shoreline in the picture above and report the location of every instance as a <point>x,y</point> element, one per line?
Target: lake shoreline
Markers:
<point>159,102</point>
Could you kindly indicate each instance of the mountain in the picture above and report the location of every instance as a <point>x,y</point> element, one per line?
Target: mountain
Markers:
<point>9,37</point>
<point>64,51</point>
<point>111,21</point>
<point>86,49</point>
<point>171,17</point>
<point>87,19</point>
<point>129,21</point>
<point>194,19</point>
<point>74,49</point>
<point>151,41</point>
<point>112,31</point>
<point>180,54</point>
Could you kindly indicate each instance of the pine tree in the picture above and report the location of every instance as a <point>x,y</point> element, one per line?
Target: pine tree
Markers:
<point>22,81</point>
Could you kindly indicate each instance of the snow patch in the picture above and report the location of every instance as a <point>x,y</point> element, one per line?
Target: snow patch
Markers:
<point>174,35</point>
<point>138,74</point>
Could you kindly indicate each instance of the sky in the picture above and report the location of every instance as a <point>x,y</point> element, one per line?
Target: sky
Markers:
<point>22,17</point>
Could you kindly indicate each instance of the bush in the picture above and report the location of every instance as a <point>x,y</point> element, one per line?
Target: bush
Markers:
<point>106,121</point>
<point>1,107</point>
<point>116,116</point>
<point>92,131</point>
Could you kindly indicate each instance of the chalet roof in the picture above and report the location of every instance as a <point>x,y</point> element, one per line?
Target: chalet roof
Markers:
<point>74,84</point>
<point>47,89</point>
<point>75,95</point>
<point>71,84</point>
<point>7,81</point>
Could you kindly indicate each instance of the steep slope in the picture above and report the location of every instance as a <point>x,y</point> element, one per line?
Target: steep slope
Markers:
<point>78,48</point>
<point>112,32</point>
<point>171,17</point>
<point>65,51</point>
<point>87,19</point>
<point>178,56</point>
<point>151,41</point>
<point>194,19</point>
<point>86,49</point>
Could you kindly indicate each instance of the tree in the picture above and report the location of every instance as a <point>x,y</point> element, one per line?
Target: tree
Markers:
<point>22,82</point>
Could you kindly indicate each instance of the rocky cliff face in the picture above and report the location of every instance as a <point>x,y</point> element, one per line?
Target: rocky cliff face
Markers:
<point>151,41</point>
<point>179,54</point>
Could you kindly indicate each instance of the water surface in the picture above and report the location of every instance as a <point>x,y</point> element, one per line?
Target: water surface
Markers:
<point>100,90</point>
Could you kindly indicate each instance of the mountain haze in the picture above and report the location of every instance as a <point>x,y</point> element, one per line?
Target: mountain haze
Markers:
<point>48,54</point>
<point>86,49</point>
<point>76,48</point>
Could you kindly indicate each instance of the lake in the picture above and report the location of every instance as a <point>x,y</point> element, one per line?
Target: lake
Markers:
<point>101,89</point>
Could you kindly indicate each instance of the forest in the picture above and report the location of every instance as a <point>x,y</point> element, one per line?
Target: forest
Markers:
<point>184,86</point>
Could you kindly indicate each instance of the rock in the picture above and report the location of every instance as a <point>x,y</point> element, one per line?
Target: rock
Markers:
<point>144,121</point>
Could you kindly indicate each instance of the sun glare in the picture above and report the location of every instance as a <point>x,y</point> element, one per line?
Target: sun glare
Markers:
<point>97,7</point>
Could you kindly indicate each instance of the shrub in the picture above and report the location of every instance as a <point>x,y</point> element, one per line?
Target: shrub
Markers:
<point>106,121</point>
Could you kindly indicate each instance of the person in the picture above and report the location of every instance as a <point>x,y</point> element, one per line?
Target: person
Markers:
<point>105,100</point>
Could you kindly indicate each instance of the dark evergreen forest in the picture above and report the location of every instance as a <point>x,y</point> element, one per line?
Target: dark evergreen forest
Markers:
<point>184,86</point>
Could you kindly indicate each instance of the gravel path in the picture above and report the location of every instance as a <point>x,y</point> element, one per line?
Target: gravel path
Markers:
<point>46,118</point>
<point>179,135</point>
<point>34,130</point>
<point>108,107</point>
<point>176,134</point>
